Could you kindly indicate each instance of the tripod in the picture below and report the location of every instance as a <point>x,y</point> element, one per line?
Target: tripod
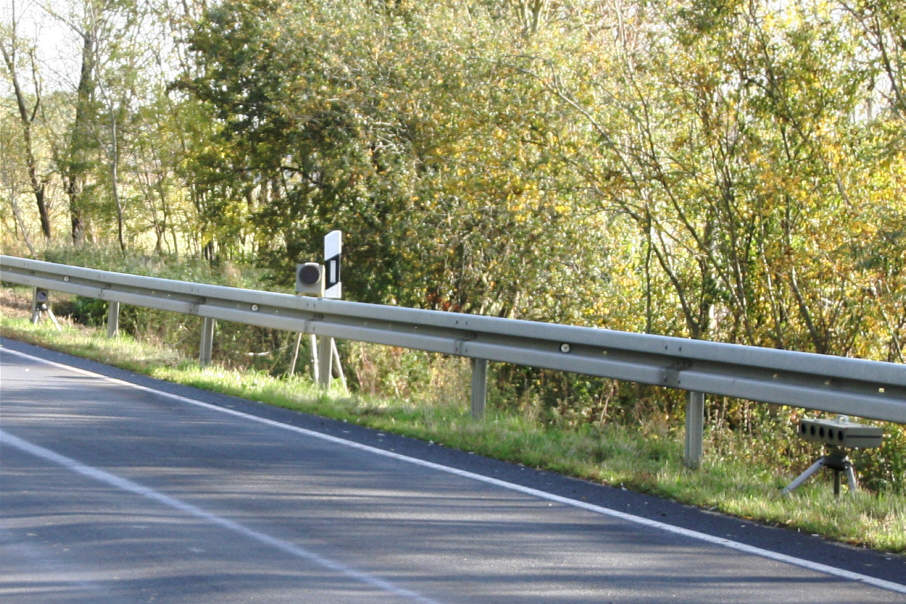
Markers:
<point>40,307</point>
<point>837,461</point>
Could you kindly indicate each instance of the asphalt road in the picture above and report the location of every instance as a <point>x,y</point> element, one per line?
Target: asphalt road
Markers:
<point>114,487</point>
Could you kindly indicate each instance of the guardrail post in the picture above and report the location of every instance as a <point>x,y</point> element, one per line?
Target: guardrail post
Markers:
<point>113,319</point>
<point>313,348</point>
<point>207,341</point>
<point>479,387</point>
<point>695,425</point>
<point>325,358</point>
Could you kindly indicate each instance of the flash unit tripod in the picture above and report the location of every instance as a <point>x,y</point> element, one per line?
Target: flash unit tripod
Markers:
<point>836,460</point>
<point>40,308</point>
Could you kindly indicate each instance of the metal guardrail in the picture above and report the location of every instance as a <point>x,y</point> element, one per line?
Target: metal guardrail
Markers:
<point>857,387</point>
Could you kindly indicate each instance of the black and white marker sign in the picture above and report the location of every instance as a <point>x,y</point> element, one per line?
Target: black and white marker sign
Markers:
<point>333,246</point>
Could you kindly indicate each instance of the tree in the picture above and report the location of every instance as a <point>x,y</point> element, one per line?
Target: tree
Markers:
<point>28,111</point>
<point>426,142</point>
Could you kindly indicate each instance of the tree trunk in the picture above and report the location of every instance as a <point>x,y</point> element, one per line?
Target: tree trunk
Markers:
<point>27,118</point>
<point>79,143</point>
<point>114,176</point>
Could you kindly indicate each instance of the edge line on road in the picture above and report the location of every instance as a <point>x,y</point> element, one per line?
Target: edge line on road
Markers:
<point>597,509</point>
<point>129,486</point>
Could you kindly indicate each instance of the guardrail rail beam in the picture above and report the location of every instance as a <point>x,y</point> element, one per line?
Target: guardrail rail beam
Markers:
<point>854,387</point>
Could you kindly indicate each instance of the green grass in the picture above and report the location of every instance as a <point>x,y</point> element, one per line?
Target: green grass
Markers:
<point>643,459</point>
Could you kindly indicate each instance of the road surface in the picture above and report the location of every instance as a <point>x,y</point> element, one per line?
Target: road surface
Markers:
<point>114,487</point>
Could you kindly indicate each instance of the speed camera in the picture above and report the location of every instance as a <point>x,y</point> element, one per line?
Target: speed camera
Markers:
<point>310,279</point>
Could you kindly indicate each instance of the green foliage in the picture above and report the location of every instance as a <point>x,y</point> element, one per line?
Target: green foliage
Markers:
<point>730,170</point>
<point>427,145</point>
<point>157,265</point>
<point>883,469</point>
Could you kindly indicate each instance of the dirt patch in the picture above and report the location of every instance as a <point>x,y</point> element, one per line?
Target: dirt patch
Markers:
<point>15,303</point>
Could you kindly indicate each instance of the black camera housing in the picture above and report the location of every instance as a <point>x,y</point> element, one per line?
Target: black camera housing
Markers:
<point>841,433</point>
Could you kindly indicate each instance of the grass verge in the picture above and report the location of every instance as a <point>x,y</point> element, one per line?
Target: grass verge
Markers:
<point>642,460</point>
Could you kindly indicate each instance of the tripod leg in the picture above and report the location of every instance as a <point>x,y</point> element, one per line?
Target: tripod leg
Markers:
<point>292,364</point>
<point>803,477</point>
<point>851,476</point>
<point>53,319</point>
<point>337,367</point>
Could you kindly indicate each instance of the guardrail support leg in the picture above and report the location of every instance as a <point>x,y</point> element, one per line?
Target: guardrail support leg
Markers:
<point>113,319</point>
<point>313,349</point>
<point>325,359</point>
<point>479,387</point>
<point>695,425</point>
<point>35,308</point>
<point>207,341</point>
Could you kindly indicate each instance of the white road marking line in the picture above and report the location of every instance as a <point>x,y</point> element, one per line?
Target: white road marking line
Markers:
<point>597,509</point>
<point>192,510</point>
